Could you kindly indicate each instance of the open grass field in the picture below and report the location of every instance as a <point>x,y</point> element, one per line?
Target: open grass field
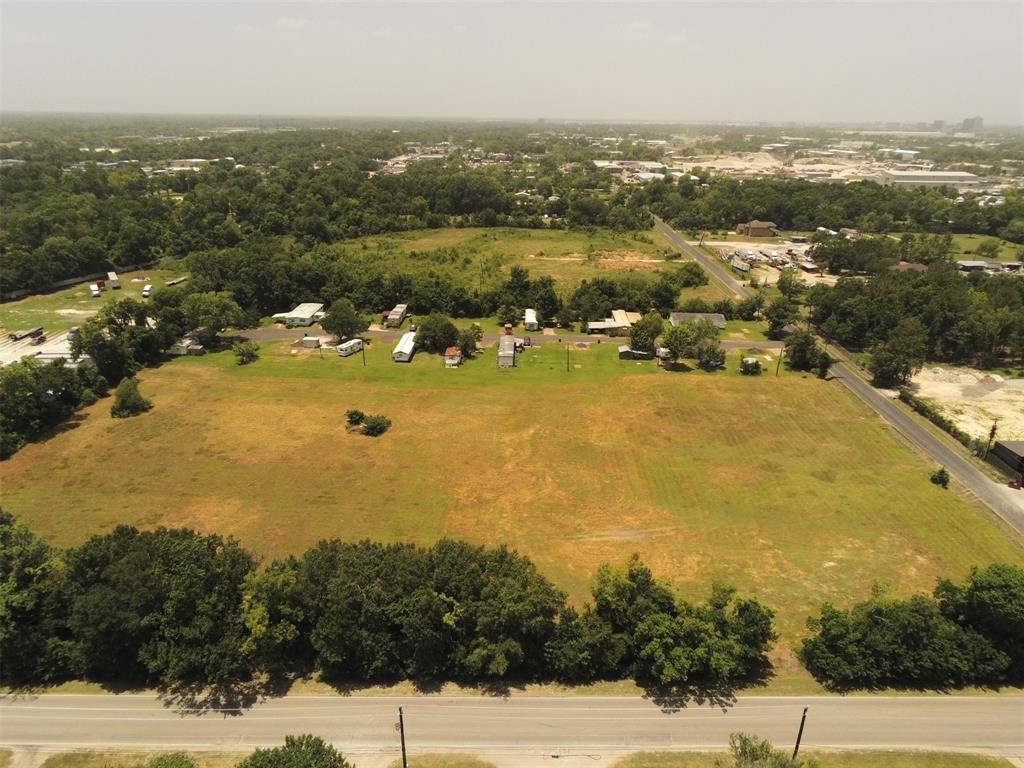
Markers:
<point>567,256</point>
<point>60,310</point>
<point>781,486</point>
<point>964,245</point>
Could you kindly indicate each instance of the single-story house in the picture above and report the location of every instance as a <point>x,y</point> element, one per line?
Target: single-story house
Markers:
<point>405,348</point>
<point>452,357</point>
<point>187,346</point>
<point>303,315</point>
<point>909,266</point>
<point>678,318</point>
<point>757,228</point>
<point>968,265</point>
<point>617,325</point>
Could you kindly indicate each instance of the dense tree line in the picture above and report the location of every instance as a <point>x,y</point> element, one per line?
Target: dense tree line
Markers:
<point>965,634</point>
<point>62,219</point>
<point>173,607</point>
<point>975,319</point>
<point>37,397</point>
<point>804,206</point>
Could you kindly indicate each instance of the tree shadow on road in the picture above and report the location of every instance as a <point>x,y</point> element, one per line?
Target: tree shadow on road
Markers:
<point>229,700</point>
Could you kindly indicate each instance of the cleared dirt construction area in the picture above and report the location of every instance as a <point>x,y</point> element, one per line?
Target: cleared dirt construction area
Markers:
<point>974,399</point>
<point>783,487</point>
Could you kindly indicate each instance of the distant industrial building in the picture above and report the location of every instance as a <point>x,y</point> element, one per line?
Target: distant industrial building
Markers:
<point>958,179</point>
<point>972,124</point>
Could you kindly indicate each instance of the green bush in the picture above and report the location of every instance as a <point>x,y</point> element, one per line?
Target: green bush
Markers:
<point>246,352</point>
<point>128,401</point>
<point>941,477</point>
<point>376,425</point>
<point>354,417</point>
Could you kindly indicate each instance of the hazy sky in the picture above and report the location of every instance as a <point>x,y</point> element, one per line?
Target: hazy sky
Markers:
<point>852,61</point>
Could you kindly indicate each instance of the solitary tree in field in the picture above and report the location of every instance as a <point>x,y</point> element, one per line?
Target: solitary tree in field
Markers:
<point>343,320</point>
<point>128,401</point>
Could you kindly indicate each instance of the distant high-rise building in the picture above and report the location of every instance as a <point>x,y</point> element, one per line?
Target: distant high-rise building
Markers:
<point>938,125</point>
<point>972,124</point>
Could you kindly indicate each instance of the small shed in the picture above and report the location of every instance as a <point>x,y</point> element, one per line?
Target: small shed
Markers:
<point>452,357</point>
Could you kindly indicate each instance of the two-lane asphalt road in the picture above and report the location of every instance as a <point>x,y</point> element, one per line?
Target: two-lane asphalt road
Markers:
<point>1006,502</point>
<point>713,267</point>
<point>542,725</point>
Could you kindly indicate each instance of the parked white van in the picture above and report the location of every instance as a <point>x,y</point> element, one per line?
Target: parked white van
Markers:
<point>146,290</point>
<point>94,290</point>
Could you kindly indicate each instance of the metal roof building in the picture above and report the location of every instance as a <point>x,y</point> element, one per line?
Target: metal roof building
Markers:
<point>678,318</point>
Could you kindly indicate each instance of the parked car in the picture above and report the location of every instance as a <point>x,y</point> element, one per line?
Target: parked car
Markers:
<point>146,290</point>
<point>527,342</point>
<point>94,290</point>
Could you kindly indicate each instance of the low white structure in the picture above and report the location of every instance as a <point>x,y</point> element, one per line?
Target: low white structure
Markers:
<point>113,279</point>
<point>405,348</point>
<point>957,179</point>
<point>396,316</point>
<point>506,352</point>
<point>530,320</point>
<point>304,314</point>
<point>147,289</point>
<point>350,347</point>
<point>94,290</point>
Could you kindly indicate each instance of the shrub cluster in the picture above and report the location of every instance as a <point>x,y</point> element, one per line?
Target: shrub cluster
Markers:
<point>170,607</point>
<point>371,426</point>
<point>967,634</point>
<point>939,419</point>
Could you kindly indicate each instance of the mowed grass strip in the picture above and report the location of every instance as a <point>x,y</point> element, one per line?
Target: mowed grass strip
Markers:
<point>823,759</point>
<point>783,486</point>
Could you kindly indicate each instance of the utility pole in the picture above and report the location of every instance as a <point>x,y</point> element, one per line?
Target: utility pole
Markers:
<point>362,348</point>
<point>401,731</point>
<point>778,364</point>
<point>796,749</point>
<point>567,357</point>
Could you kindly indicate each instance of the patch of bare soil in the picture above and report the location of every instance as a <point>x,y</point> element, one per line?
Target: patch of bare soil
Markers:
<point>974,399</point>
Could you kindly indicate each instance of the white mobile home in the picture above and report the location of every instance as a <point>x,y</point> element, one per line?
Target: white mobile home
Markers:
<point>114,281</point>
<point>304,314</point>
<point>506,352</point>
<point>350,347</point>
<point>396,316</point>
<point>405,348</point>
<point>530,320</point>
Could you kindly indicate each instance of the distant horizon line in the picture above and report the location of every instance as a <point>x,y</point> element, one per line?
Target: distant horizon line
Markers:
<point>540,121</point>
